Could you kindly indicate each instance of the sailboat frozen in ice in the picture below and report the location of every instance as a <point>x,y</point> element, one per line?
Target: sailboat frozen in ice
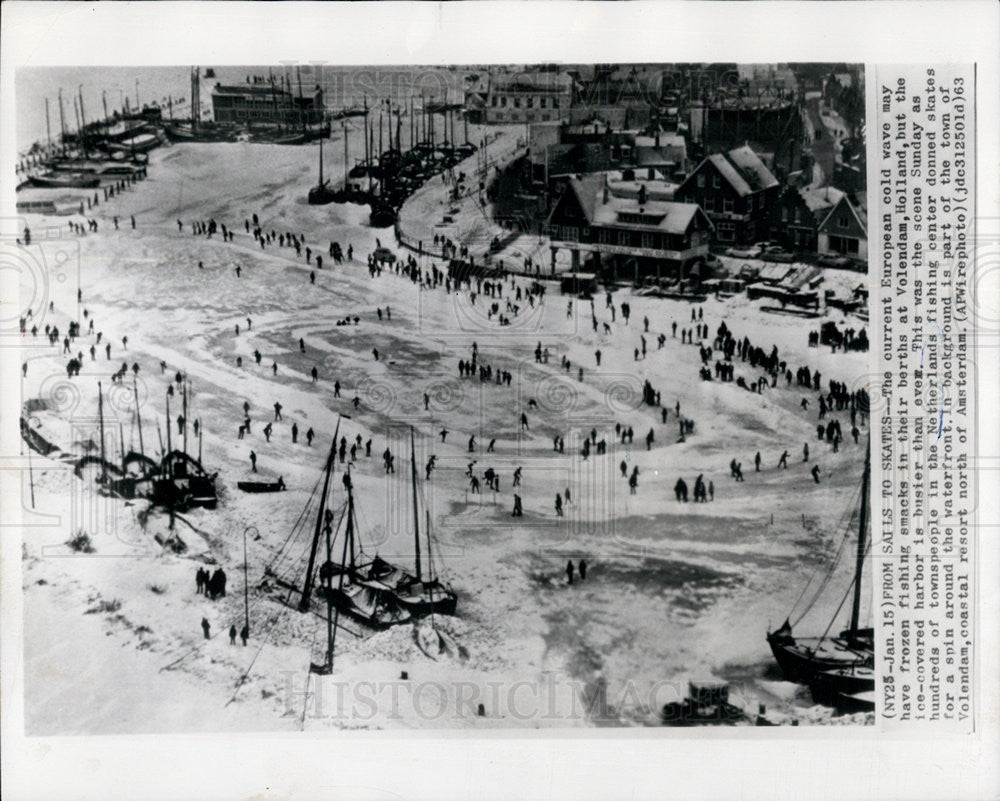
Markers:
<point>839,669</point>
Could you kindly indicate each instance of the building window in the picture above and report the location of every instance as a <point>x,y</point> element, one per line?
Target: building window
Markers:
<point>648,241</point>
<point>727,204</point>
<point>710,203</point>
<point>784,214</point>
<point>494,101</point>
<point>605,236</point>
<point>798,216</point>
<point>503,102</point>
<point>531,102</point>
<point>541,103</point>
<point>517,102</point>
<point>842,221</point>
<point>623,238</point>
<point>726,231</point>
<point>701,180</point>
<point>750,203</point>
<point>715,181</point>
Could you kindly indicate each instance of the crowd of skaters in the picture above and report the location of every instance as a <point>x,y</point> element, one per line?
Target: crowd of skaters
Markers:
<point>492,292</point>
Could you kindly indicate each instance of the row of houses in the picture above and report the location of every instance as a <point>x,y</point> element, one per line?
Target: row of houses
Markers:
<point>639,225</point>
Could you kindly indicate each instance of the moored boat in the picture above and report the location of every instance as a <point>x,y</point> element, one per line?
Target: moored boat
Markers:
<point>65,180</point>
<point>834,664</point>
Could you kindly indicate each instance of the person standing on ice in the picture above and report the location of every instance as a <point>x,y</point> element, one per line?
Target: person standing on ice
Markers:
<point>756,463</point>
<point>277,411</point>
<point>569,572</point>
<point>232,635</point>
<point>783,461</point>
<point>205,626</point>
<point>295,433</point>
<point>315,375</point>
<point>524,422</point>
<point>649,440</point>
<point>559,511</point>
<point>253,462</point>
<point>245,635</point>
<point>518,511</point>
<point>815,473</point>
<point>267,432</point>
<point>309,437</point>
<point>805,451</point>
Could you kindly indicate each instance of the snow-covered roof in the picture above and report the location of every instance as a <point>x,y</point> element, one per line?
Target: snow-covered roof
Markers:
<point>743,170</point>
<point>822,199</point>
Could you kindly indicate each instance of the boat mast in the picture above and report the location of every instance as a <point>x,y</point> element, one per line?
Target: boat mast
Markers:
<point>48,129</point>
<point>83,121</point>
<point>862,525</point>
<point>169,447</point>
<point>302,120</point>
<point>368,163</point>
<point>321,161</point>
<point>184,414</point>
<point>138,417</point>
<point>62,124</point>
<point>416,513</point>
<point>346,168</point>
<point>100,418</point>
<point>350,518</point>
<point>307,584</point>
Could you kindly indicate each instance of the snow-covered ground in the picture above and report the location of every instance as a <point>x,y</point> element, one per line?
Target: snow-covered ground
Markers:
<point>113,641</point>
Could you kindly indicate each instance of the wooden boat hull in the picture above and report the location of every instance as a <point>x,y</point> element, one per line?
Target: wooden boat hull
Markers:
<point>859,702</point>
<point>801,659</point>
<point>65,181</point>
<point>321,196</point>
<point>827,685</point>
<point>260,486</point>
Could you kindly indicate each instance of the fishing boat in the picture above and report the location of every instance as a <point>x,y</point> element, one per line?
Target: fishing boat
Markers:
<point>382,215</point>
<point>351,584</point>
<point>142,143</point>
<point>203,133</point>
<point>368,588</point>
<point>321,194</point>
<point>423,593</point>
<point>65,180</point>
<point>834,664</point>
<point>827,686</point>
<point>262,486</point>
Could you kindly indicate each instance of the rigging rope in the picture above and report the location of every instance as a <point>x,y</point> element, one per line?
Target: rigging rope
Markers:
<point>831,568</point>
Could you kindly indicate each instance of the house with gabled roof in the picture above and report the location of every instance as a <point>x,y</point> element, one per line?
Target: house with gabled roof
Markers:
<point>798,213</point>
<point>737,191</point>
<point>844,231</point>
<point>630,237</point>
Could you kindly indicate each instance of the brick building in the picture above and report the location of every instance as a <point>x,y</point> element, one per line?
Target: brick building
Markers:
<point>737,192</point>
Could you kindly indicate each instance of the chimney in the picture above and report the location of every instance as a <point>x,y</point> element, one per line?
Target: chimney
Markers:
<point>605,188</point>
<point>657,135</point>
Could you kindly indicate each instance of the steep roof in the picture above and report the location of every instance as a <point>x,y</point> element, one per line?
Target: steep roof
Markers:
<point>752,168</point>
<point>820,200</point>
<point>860,214</point>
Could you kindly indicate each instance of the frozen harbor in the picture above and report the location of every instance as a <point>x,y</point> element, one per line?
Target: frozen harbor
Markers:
<point>673,590</point>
